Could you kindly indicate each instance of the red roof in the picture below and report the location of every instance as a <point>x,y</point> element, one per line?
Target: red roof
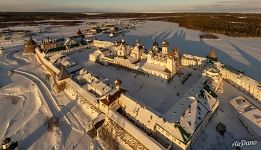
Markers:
<point>111,98</point>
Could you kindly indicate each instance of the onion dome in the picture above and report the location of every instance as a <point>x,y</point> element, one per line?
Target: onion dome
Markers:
<point>123,41</point>
<point>165,44</point>
<point>155,43</point>
<point>138,40</point>
<point>6,141</point>
<point>212,55</point>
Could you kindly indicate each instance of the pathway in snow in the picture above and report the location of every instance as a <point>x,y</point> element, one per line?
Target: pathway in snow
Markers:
<point>49,100</point>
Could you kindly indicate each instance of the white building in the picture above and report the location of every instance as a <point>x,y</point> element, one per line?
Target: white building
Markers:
<point>248,114</point>
<point>193,61</point>
<point>2,50</point>
<point>244,83</point>
<point>137,51</point>
<point>162,64</point>
<point>74,40</point>
<point>51,43</point>
<point>101,44</point>
<point>165,61</point>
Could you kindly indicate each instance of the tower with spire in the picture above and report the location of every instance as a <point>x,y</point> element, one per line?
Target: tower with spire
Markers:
<point>212,55</point>
<point>30,45</point>
<point>122,48</point>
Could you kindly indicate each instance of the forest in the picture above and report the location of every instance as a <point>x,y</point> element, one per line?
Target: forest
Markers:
<point>231,24</point>
<point>236,25</point>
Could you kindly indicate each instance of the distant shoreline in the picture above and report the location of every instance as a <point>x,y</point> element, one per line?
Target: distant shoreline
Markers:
<point>230,24</point>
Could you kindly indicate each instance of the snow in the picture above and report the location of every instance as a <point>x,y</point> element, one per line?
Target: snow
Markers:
<point>154,93</point>
<point>240,53</point>
<point>209,138</point>
<point>22,112</point>
<point>248,113</point>
<point>24,120</point>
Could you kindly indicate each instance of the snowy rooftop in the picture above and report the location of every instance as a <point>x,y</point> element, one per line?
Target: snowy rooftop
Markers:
<point>250,115</point>
<point>93,83</point>
<point>62,59</point>
<point>191,109</point>
<point>157,68</point>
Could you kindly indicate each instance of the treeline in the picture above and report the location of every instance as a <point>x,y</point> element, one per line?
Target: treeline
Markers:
<point>232,25</point>
<point>37,16</point>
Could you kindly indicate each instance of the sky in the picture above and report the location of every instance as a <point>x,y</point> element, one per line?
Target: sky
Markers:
<point>132,5</point>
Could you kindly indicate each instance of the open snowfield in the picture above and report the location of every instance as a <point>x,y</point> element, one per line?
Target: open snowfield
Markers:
<point>23,113</point>
<point>25,106</point>
<point>209,138</point>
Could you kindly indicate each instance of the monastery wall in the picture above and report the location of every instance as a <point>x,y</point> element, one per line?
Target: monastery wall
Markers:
<point>242,82</point>
<point>46,63</point>
<point>66,51</point>
<point>137,133</point>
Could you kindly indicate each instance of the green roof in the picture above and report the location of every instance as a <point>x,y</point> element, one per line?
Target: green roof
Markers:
<point>56,49</point>
<point>212,93</point>
<point>184,133</point>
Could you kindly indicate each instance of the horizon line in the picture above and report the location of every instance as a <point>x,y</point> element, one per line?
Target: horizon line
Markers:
<point>124,12</point>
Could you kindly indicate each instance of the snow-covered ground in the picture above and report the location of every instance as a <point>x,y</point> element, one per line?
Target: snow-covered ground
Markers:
<point>23,114</point>
<point>25,107</point>
<point>209,138</point>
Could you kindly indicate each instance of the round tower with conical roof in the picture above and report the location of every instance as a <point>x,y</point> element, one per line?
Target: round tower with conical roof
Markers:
<point>212,55</point>
<point>79,33</point>
<point>30,45</point>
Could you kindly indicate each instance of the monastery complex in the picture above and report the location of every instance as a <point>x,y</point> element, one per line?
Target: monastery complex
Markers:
<point>134,124</point>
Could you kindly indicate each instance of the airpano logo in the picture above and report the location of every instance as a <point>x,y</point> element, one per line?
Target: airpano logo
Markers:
<point>244,143</point>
